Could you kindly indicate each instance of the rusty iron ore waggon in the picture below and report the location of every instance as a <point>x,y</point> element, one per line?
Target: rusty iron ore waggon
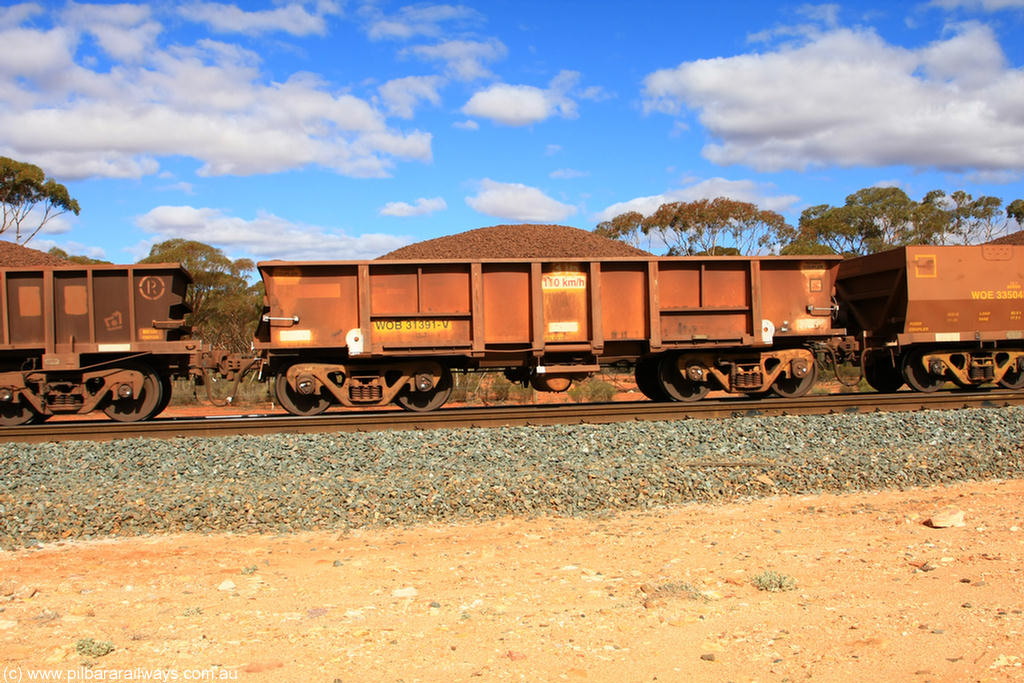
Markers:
<point>74,339</point>
<point>376,332</point>
<point>928,315</point>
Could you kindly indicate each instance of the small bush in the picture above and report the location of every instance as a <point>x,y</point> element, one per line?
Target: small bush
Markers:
<point>593,391</point>
<point>773,582</point>
<point>672,589</point>
<point>87,647</point>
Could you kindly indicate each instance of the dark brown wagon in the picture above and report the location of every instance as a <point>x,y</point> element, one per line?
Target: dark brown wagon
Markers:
<point>74,339</point>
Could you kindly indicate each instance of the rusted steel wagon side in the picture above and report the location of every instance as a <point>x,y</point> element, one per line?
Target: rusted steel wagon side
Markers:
<point>369,333</point>
<point>79,338</point>
<point>929,314</point>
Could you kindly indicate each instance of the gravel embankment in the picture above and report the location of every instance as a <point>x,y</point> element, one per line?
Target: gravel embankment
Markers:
<point>291,482</point>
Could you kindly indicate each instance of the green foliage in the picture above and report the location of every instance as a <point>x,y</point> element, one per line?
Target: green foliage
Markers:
<point>715,227</point>
<point>878,218</point>
<point>872,219</point>
<point>959,218</point>
<point>29,200</point>
<point>1015,211</point>
<point>626,227</point>
<point>225,306</point>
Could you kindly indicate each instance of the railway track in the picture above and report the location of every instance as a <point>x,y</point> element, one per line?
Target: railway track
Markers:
<point>594,413</point>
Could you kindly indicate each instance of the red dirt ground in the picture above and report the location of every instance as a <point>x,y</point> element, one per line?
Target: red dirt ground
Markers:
<point>664,595</point>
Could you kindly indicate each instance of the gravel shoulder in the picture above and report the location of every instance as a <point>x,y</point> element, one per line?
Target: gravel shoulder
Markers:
<point>662,595</point>
<point>625,552</point>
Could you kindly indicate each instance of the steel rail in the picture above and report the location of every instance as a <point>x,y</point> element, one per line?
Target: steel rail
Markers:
<point>591,413</point>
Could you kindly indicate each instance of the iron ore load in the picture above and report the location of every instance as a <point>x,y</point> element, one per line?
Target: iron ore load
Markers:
<point>376,332</point>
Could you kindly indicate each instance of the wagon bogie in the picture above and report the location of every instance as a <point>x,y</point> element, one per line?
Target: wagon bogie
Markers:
<point>308,388</point>
<point>689,376</point>
<point>928,368</point>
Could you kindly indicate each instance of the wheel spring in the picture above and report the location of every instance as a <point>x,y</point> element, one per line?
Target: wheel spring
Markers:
<point>747,379</point>
<point>64,400</point>
<point>981,371</point>
<point>366,393</point>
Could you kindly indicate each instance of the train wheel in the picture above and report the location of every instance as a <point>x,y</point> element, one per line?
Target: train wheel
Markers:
<point>425,401</point>
<point>881,375</point>
<point>296,403</point>
<point>917,375</point>
<point>141,407</point>
<point>167,388</point>
<point>1013,379</point>
<point>17,413</point>
<point>794,387</point>
<point>647,380</point>
<point>676,386</point>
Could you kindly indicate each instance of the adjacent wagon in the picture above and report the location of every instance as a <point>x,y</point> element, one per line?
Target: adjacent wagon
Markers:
<point>74,339</point>
<point>927,315</point>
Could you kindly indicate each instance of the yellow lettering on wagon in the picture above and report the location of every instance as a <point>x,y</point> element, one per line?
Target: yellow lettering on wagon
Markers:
<point>550,281</point>
<point>1012,291</point>
<point>411,326</point>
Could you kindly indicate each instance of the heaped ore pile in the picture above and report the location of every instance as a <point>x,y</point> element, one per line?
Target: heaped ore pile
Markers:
<point>517,242</point>
<point>1012,238</point>
<point>16,256</point>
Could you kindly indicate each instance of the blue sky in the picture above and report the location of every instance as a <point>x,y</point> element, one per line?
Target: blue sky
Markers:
<point>331,129</point>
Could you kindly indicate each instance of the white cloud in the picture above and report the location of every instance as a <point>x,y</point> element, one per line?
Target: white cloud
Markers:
<point>421,207</point>
<point>740,190</point>
<point>986,5</point>
<point>186,188</point>
<point>415,20</point>
<point>464,59</point>
<point>522,105</point>
<point>292,18</point>
<point>517,202</point>
<point>265,236</point>
<point>402,95</point>
<point>846,97</point>
<point>209,101</point>
<point>567,174</point>
<point>469,124</point>
<point>70,248</point>
<point>16,14</point>
<point>993,177</point>
<point>123,31</point>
